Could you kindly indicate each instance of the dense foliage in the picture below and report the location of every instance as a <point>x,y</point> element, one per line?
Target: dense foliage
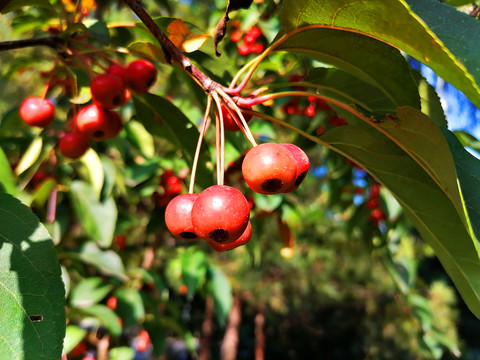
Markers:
<point>104,107</point>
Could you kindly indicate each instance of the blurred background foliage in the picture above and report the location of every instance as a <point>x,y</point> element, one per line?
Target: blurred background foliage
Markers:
<point>329,279</point>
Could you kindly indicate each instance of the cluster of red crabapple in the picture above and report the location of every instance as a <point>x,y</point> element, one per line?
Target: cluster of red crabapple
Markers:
<point>220,214</point>
<point>251,43</point>
<point>96,121</point>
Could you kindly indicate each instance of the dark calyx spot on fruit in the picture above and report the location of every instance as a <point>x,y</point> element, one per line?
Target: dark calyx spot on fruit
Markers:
<point>98,134</point>
<point>219,235</point>
<point>188,235</point>
<point>150,82</point>
<point>117,100</point>
<point>272,185</point>
<point>300,178</point>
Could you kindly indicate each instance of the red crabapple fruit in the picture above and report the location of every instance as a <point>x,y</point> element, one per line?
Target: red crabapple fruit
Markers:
<point>242,240</point>
<point>220,214</point>
<point>303,164</point>
<point>140,75</point>
<point>108,91</point>
<point>74,144</point>
<point>97,123</point>
<point>269,169</point>
<point>178,216</point>
<point>36,111</point>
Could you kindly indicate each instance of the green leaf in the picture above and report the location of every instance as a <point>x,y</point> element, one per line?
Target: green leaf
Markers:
<point>98,218</point>
<point>106,317</point>
<point>18,4</point>
<point>110,171</point>
<point>42,193</point>
<point>100,31</point>
<point>30,156</point>
<point>424,142</point>
<point>95,172</point>
<point>83,96</point>
<point>147,50</point>
<point>161,118</point>
<point>194,269</point>
<point>107,262</point>
<point>121,353</point>
<point>458,2</point>
<point>73,336</point>
<point>89,292</point>
<point>468,171</point>
<point>32,292</point>
<point>438,34</point>
<point>425,203</point>
<point>368,59</point>
<point>7,179</point>
<point>219,287</point>
<point>156,331</point>
<point>74,29</point>
<point>140,138</point>
<point>349,89</point>
<point>130,306</point>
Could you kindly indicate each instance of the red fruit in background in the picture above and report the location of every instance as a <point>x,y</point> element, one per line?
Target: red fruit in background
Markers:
<point>375,190</point>
<point>117,124</point>
<point>89,357</point>
<point>252,35</point>
<point>229,122</point>
<point>242,240</point>
<point>140,76</point>
<point>97,123</point>
<point>118,70</point>
<point>178,216</point>
<point>372,203</point>
<point>302,161</point>
<point>183,290</point>
<point>143,341</point>
<point>377,215</point>
<point>120,241</point>
<point>256,48</point>
<point>74,144</point>
<point>244,49</point>
<point>269,169</point>
<point>108,91</point>
<point>112,302</point>
<point>173,186</point>
<point>166,175</point>
<point>310,111</point>
<point>36,111</point>
<point>220,214</point>
<point>338,121</point>
<point>236,36</point>
<point>80,349</point>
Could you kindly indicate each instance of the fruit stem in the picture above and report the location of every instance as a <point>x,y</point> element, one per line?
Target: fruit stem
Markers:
<point>203,130</point>
<point>243,126</point>
<point>93,49</point>
<point>219,139</point>
<point>251,66</point>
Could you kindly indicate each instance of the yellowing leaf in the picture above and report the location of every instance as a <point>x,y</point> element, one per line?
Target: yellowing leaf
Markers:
<point>194,42</point>
<point>178,27</point>
<point>181,36</point>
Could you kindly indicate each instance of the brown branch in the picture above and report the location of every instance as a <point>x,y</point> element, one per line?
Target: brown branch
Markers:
<point>231,337</point>
<point>172,53</point>
<point>50,41</point>
<point>260,335</point>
